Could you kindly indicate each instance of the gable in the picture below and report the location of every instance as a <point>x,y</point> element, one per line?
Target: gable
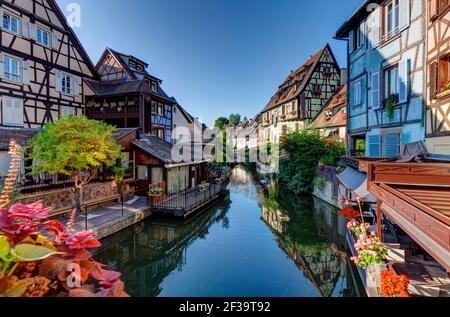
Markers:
<point>64,50</point>
<point>110,68</point>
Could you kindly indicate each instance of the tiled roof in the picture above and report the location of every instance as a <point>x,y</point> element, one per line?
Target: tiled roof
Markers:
<point>155,147</point>
<point>333,113</point>
<point>295,83</point>
<point>21,135</point>
<point>116,87</point>
<point>123,132</point>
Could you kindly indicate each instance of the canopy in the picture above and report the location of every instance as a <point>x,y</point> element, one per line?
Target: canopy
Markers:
<point>356,182</point>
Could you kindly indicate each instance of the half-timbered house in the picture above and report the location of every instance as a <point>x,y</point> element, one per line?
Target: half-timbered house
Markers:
<point>300,97</point>
<point>438,79</point>
<point>128,96</point>
<point>386,47</point>
<point>43,68</point>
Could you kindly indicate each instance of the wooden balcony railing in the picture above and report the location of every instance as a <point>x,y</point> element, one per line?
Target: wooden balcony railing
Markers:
<point>93,111</point>
<point>432,174</point>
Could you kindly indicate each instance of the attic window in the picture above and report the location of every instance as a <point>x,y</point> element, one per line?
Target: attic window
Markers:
<point>139,67</point>
<point>154,86</point>
<point>132,64</point>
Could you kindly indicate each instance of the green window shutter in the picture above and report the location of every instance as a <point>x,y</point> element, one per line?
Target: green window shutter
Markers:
<point>374,145</point>
<point>392,144</point>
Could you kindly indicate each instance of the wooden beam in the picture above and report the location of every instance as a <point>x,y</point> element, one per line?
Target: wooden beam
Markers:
<point>379,220</point>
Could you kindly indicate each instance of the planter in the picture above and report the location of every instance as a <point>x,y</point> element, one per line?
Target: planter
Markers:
<point>155,195</point>
<point>373,277</point>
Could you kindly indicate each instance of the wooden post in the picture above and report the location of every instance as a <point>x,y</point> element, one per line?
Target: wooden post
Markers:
<point>379,221</point>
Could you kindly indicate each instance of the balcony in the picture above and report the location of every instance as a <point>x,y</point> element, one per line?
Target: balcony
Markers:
<point>101,112</point>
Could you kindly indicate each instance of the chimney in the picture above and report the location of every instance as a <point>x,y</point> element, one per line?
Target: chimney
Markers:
<point>344,74</point>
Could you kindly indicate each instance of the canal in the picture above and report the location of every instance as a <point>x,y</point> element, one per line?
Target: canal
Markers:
<point>253,242</point>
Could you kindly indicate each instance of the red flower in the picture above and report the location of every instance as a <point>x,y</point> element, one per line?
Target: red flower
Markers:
<point>393,285</point>
<point>83,240</point>
<point>348,213</point>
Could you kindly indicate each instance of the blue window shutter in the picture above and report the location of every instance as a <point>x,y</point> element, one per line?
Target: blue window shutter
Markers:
<point>374,145</point>
<point>392,144</point>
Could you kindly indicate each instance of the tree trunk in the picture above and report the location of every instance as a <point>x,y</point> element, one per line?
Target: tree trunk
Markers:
<point>77,193</point>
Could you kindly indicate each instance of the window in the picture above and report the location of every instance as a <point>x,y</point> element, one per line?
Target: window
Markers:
<point>67,84</point>
<point>357,93</point>
<point>154,86</point>
<point>160,109</point>
<point>11,68</point>
<point>357,37</point>
<point>67,111</point>
<point>440,76</point>
<point>154,107</point>
<point>391,18</point>
<point>10,23</point>
<point>161,133</point>
<point>391,144</point>
<point>437,7</point>
<point>42,37</point>
<point>132,64</point>
<point>12,110</point>
<point>391,81</point>
<point>374,145</point>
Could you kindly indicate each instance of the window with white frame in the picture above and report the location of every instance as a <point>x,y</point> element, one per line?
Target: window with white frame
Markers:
<point>67,111</point>
<point>12,110</point>
<point>391,17</point>
<point>42,37</point>
<point>11,68</point>
<point>391,81</point>
<point>357,93</point>
<point>154,86</point>
<point>10,23</point>
<point>67,84</point>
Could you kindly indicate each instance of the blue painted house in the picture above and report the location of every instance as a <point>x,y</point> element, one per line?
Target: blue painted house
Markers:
<point>386,47</point>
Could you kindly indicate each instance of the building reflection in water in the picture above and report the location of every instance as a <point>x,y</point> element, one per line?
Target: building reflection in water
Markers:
<point>313,236</point>
<point>152,250</point>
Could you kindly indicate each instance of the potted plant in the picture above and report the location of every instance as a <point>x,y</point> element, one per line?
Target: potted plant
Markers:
<point>203,187</point>
<point>445,86</point>
<point>155,192</point>
<point>393,285</point>
<point>390,103</point>
<point>370,251</point>
<point>358,229</point>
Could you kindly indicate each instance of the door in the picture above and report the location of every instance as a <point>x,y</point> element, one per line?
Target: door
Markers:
<point>142,180</point>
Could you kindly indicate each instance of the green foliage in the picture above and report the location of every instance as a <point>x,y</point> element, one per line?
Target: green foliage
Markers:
<point>320,183</point>
<point>221,123</point>
<point>390,103</point>
<point>305,149</point>
<point>73,144</point>
<point>234,119</point>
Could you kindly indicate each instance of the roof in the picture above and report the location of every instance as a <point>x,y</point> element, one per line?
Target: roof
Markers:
<point>296,81</point>
<point>156,147</point>
<point>123,132</point>
<point>333,115</point>
<point>134,73</point>
<point>361,12</point>
<point>22,135</point>
<point>74,37</point>
<point>186,114</point>
<point>116,87</point>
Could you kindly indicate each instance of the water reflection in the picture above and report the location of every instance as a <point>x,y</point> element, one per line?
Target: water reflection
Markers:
<point>252,243</point>
<point>313,236</point>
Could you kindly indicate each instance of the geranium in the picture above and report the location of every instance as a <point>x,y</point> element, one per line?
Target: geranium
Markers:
<point>444,86</point>
<point>370,251</point>
<point>393,285</point>
<point>358,228</point>
<point>348,213</point>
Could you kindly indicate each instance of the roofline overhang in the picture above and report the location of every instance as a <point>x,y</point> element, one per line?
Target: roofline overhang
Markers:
<point>360,13</point>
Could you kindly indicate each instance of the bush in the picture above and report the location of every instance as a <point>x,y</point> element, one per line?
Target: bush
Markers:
<point>305,149</point>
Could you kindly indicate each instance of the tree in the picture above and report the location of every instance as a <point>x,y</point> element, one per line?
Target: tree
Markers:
<point>74,146</point>
<point>221,123</point>
<point>234,119</point>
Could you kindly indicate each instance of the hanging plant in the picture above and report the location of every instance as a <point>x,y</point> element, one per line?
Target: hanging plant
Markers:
<point>390,103</point>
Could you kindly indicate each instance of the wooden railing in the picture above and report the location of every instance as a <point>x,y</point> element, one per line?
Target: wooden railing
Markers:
<point>431,174</point>
<point>92,111</point>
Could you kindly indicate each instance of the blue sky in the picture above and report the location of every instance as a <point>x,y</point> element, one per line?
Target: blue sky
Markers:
<point>215,57</point>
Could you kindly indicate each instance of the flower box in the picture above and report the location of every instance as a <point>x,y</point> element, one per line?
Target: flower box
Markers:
<point>155,192</point>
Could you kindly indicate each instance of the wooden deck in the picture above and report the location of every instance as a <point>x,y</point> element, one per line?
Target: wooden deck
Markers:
<point>187,202</point>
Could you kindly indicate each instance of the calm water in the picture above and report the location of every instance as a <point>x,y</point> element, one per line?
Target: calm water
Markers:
<point>251,243</point>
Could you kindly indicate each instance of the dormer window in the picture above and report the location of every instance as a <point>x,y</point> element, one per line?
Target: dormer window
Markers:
<point>10,23</point>
<point>139,68</point>
<point>132,64</point>
<point>154,86</point>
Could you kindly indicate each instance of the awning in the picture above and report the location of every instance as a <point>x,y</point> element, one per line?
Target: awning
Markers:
<point>356,182</point>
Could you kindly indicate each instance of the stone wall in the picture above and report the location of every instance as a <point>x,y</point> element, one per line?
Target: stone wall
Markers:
<point>62,198</point>
<point>327,187</point>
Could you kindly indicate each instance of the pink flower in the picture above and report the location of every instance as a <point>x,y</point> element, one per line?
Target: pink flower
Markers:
<point>83,240</point>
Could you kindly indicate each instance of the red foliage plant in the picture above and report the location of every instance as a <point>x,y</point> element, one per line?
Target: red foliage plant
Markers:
<point>393,285</point>
<point>38,257</point>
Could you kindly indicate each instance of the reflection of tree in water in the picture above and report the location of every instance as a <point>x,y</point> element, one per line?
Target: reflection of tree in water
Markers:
<point>299,227</point>
<point>148,253</point>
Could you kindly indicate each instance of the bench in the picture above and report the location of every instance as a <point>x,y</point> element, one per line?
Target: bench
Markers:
<point>88,204</point>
